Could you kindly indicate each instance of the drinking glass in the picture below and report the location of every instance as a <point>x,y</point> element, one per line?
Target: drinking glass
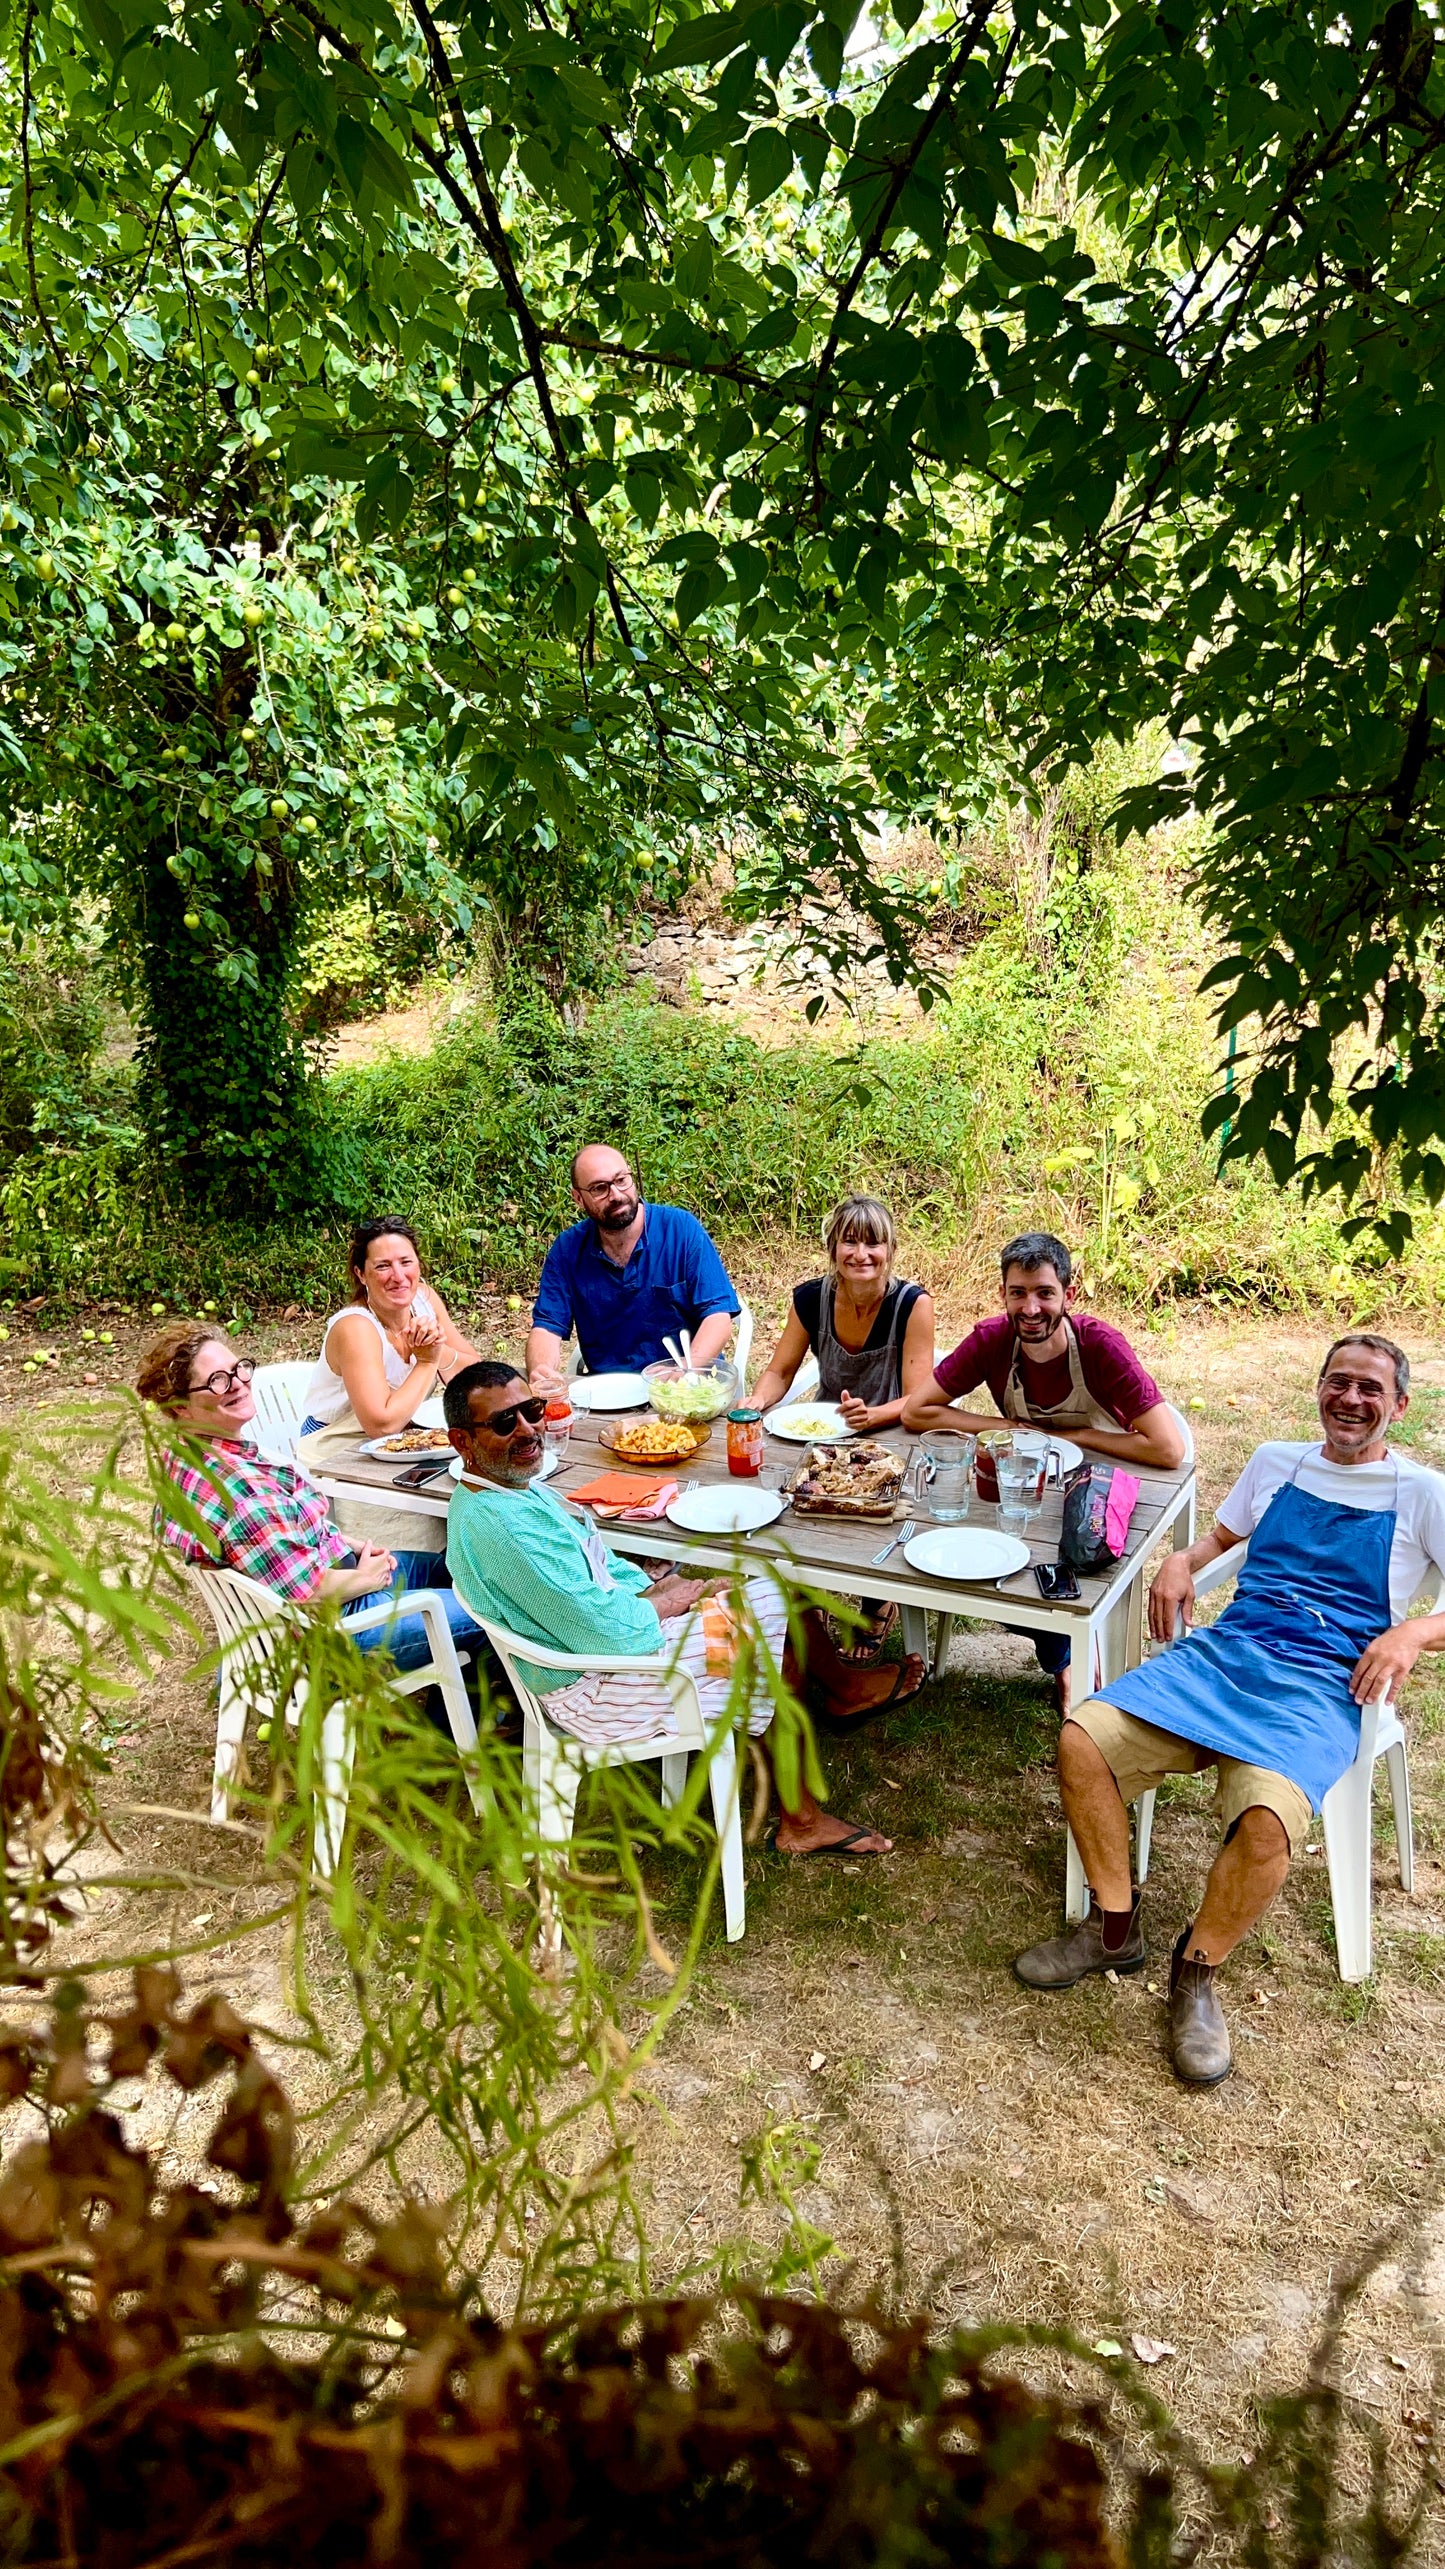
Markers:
<point>1016,1474</point>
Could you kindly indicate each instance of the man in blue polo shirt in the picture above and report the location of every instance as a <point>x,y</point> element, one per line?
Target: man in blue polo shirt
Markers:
<point>625,1277</point>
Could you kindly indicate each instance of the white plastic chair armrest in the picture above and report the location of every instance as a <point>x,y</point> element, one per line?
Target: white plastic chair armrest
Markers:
<point>425,1601</point>
<point>1214,1573</point>
<point>589,1663</point>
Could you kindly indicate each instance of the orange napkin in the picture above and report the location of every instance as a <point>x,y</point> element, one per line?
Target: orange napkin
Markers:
<point>618,1490</point>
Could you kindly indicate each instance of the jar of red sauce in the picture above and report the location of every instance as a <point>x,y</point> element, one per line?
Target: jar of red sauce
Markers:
<point>745,1443</point>
<point>557,1426</point>
<point>985,1475</point>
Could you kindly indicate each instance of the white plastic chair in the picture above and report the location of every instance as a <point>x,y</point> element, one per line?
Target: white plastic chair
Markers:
<point>1346,1815</point>
<point>279,1392</point>
<point>743,1342</point>
<point>246,1617</point>
<point>553,1765</point>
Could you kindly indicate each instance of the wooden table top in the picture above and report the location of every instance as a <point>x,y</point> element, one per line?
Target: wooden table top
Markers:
<point>829,1551</point>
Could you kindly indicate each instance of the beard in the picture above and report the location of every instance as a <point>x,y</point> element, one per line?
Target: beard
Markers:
<point>517,1476</point>
<point>621,1212</point>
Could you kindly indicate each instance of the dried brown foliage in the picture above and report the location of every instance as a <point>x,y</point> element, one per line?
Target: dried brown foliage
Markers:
<point>43,1802</point>
<point>146,2419</point>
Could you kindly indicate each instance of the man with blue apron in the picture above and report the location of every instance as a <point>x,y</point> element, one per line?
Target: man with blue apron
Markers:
<point>1341,1537</point>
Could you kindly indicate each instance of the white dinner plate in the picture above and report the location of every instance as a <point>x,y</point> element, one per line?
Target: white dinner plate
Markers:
<point>430,1414</point>
<point>608,1391</point>
<point>549,1466</point>
<point>825,1422</point>
<point>722,1511</point>
<point>966,1552</point>
<point>380,1445</point>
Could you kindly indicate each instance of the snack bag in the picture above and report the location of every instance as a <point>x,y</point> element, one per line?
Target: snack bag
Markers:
<point>1099,1500</point>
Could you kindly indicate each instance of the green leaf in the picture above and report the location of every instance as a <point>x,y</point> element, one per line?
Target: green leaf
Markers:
<point>769,162</point>
<point>696,591</point>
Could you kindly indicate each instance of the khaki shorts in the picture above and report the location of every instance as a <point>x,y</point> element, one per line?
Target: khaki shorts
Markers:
<point>1138,1757</point>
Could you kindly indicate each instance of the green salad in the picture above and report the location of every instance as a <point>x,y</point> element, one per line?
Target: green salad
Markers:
<point>700,1398</point>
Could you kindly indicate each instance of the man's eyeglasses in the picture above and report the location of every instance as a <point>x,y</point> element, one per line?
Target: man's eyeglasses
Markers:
<point>220,1384</point>
<point>502,1421</point>
<point>607,1185</point>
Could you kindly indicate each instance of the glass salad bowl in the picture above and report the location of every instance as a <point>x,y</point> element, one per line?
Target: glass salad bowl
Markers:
<point>696,1397</point>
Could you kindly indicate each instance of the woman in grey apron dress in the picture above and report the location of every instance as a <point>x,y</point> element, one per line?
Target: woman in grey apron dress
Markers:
<point>872,1335</point>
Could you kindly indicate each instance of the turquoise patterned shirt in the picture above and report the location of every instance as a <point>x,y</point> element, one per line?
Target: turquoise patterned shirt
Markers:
<point>519,1558</point>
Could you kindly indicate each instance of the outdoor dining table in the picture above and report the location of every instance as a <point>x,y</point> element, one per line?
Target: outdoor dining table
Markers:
<point>835,1556</point>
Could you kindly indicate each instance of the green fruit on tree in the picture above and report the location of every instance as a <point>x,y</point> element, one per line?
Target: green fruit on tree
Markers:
<point>248,731</point>
<point>307,823</point>
<point>253,374</point>
<point>448,384</point>
<point>8,520</point>
<point>413,626</point>
<point>58,395</point>
<point>175,865</point>
<point>456,597</point>
<point>253,615</point>
<point>175,633</point>
<point>45,566</point>
<point>192,920</point>
<point>469,575</point>
<point>279,807</point>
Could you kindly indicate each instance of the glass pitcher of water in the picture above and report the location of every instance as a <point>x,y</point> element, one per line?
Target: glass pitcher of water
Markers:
<point>943,1476</point>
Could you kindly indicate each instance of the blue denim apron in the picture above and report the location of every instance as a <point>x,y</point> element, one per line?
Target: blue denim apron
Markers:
<point>1270,1681</point>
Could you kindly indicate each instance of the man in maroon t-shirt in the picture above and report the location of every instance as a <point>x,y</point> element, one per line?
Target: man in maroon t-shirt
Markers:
<point>1046,1365</point>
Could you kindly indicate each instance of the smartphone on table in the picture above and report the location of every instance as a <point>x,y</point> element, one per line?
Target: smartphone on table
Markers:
<point>1056,1581</point>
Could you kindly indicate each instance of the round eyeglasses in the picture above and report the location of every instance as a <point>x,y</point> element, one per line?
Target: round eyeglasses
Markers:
<point>220,1384</point>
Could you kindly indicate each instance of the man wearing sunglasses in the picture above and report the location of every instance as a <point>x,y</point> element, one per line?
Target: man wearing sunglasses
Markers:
<point>1343,1535</point>
<point>625,1277</point>
<point>527,1562</point>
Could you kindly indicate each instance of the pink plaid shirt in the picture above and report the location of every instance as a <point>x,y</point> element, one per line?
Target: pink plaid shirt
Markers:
<point>265,1520</point>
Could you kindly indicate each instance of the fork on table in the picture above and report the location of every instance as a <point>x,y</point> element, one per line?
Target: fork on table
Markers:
<point>905,1534</point>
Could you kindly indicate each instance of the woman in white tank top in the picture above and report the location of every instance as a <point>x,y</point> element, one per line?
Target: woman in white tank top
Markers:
<point>393,1347</point>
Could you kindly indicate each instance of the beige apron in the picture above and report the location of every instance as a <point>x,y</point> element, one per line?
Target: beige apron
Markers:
<point>1078,1409</point>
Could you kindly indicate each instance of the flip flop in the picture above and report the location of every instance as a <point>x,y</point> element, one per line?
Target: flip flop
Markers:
<point>838,1723</point>
<point>852,1844</point>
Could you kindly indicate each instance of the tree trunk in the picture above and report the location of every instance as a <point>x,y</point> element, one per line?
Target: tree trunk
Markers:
<point>224,1076</point>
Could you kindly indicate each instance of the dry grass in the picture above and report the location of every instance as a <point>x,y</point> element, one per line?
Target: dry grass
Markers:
<point>1007,2155</point>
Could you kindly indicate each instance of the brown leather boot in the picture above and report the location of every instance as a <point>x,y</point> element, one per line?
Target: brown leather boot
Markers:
<point>1198,2034</point>
<point>1062,1960</point>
